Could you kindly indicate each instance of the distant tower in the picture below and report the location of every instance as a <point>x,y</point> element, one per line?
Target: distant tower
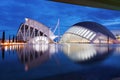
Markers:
<point>3,37</point>
<point>13,38</point>
<point>9,39</point>
<point>16,39</point>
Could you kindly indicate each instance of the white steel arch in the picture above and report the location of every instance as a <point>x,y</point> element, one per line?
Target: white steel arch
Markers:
<point>32,28</point>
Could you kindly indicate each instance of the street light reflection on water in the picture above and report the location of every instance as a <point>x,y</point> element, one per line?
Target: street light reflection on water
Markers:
<point>75,56</point>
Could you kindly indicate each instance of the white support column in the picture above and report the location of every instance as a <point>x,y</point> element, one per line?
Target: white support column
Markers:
<point>20,33</point>
<point>24,33</point>
<point>31,36</point>
<point>34,32</point>
<point>38,33</point>
<point>29,32</point>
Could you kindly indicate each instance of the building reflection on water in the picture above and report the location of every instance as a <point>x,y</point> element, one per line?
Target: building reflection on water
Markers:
<point>9,48</point>
<point>87,53</point>
<point>34,55</point>
<point>31,55</point>
<point>3,52</point>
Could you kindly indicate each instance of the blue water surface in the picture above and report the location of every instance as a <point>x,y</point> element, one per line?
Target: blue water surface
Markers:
<point>60,62</point>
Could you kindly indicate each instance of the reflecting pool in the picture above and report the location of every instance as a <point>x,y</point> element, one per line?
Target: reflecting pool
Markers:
<point>60,62</point>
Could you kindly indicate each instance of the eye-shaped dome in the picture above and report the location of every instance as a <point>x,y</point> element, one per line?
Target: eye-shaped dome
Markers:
<point>96,27</point>
<point>88,32</point>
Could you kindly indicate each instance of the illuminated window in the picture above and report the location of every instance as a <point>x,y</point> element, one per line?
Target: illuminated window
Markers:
<point>83,32</point>
<point>77,32</point>
<point>86,33</point>
<point>75,29</point>
<point>88,36</point>
<point>92,36</point>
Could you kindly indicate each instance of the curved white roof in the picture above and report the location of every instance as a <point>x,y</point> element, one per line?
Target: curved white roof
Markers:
<point>39,26</point>
<point>31,29</point>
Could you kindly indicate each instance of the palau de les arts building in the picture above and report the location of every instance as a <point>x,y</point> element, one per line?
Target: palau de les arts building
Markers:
<point>83,32</point>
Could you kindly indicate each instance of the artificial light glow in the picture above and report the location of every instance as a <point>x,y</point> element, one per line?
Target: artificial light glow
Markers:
<point>79,52</point>
<point>42,47</point>
<point>39,40</point>
<point>88,36</point>
<point>86,33</point>
<point>6,48</point>
<point>83,32</point>
<point>26,19</point>
<point>78,30</point>
<point>92,36</point>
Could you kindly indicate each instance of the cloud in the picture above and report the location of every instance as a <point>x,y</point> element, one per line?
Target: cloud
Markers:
<point>12,14</point>
<point>111,22</point>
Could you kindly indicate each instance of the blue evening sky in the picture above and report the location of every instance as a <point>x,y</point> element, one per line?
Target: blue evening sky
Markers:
<point>13,12</point>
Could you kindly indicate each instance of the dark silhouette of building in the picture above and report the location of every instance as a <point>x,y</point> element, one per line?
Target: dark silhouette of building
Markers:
<point>3,37</point>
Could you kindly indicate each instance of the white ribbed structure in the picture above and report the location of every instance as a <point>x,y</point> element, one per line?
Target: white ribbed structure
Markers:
<point>78,34</point>
<point>31,29</point>
<point>88,32</point>
<point>83,32</point>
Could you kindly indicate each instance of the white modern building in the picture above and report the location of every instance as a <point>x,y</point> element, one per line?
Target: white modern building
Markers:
<point>34,32</point>
<point>88,32</point>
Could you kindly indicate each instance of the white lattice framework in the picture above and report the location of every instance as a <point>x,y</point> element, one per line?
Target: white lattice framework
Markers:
<point>32,28</point>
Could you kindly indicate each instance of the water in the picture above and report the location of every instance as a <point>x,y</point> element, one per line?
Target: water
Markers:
<point>60,62</point>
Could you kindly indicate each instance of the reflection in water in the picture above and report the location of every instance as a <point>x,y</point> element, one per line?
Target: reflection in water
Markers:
<point>117,48</point>
<point>34,55</point>
<point>87,53</point>
<point>39,48</point>
<point>79,52</point>
<point>31,55</point>
<point>37,55</point>
<point>3,52</point>
<point>9,48</point>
